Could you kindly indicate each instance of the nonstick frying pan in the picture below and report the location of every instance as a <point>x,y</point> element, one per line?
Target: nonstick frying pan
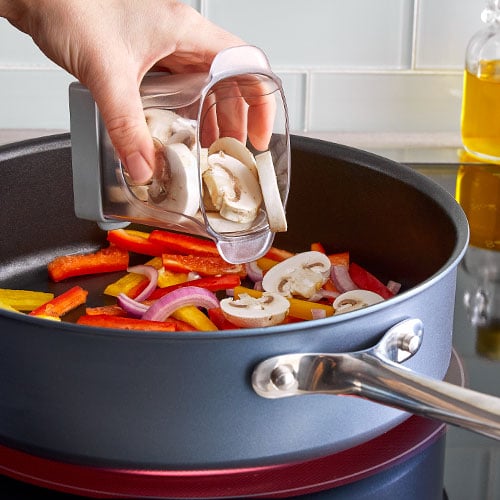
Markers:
<point>185,400</point>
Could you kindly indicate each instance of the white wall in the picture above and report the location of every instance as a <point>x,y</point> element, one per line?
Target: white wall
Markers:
<point>347,66</point>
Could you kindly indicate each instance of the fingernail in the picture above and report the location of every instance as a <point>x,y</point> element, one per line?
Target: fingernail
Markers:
<point>138,168</point>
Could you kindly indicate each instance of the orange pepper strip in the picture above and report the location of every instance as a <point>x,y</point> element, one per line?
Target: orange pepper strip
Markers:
<point>63,303</point>
<point>120,322</point>
<point>318,247</point>
<point>301,309</point>
<point>339,259</point>
<point>184,244</point>
<point>106,260</point>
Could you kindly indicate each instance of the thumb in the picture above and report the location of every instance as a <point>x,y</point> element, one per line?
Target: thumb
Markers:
<point>121,108</point>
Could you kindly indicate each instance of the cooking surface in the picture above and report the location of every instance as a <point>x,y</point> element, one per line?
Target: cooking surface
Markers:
<point>465,451</point>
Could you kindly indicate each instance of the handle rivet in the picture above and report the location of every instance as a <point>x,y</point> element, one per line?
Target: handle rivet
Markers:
<point>283,377</point>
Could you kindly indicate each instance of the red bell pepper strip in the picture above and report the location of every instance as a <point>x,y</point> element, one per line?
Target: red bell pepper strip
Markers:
<point>218,318</point>
<point>212,283</point>
<point>182,243</point>
<point>113,321</point>
<point>63,303</point>
<point>106,260</point>
<point>204,265</point>
<point>367,281</point>
<point>111,310</point>
<point>134,241</point>
<point>278,254</point>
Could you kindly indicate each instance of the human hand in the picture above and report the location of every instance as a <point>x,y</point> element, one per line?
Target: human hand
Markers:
<point>110,46</point>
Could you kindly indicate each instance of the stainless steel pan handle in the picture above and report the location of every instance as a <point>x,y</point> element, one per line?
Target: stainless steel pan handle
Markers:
<point>375,374</point>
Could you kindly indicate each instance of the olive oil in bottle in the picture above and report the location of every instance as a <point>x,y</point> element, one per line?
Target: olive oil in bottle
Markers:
<point>480,122</point>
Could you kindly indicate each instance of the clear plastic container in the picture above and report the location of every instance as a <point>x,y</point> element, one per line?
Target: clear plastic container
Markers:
<point>223,156</point>
<point>480,122</point>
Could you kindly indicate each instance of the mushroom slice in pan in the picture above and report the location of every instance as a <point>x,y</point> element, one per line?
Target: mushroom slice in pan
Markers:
<point>233,189</point>
<point>301,275</point>
<point>355,299</point>
<point>250,312</point>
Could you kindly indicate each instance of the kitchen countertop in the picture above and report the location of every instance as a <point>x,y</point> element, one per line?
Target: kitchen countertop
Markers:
<point>472,467</point>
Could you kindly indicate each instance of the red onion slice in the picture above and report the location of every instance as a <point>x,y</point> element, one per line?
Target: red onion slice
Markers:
<point>341,278</point>
<point>151,273</point>
<point>130,306</point>
<point>393,286</point>
<point>254,272</point>
<point>186,296</point>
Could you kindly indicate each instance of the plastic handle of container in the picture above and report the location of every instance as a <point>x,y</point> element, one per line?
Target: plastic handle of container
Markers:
<point>239,60</point>
<point>375,374</point>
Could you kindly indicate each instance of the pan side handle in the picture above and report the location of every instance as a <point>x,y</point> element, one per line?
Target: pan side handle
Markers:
<point>375,378</point>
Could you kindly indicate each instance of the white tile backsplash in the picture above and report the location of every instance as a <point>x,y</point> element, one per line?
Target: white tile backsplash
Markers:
<point>385,65</point>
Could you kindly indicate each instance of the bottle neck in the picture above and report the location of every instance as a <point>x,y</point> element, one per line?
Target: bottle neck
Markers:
<point>491,13</point>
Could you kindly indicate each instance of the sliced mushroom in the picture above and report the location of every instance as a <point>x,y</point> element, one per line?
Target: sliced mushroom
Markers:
<point>233,189</point>
<point>270,192</point>
<point>250,312</point>
<point>355,299</point>
<point>180,194</point>
<point>236,149</point>
<point>160,123</point>
<point>301,275</point>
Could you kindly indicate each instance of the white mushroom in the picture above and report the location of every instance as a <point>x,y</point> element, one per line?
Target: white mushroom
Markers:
<point>180,186</point>
<point>160,122</point>
<point>250,312</point>
<point>270,192</point>
<point>355,299</point>
<point>233,189</point>
<point>236,149</point>
<point>303,275</point>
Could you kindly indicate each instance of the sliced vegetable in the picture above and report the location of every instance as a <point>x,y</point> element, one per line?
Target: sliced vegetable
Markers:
<point>204,265</point>
<point>220,321</point>
<point>187,296</point>
<point>7,307</point>
<point>151,274</point>
<point>131,284</point>
<point>181,243</point>
<point>111,310</point>
<point>301,275</point>
<point>301,309</point>
<point>106,260</point>
<point>134,241</point>
<point>62,304</point>
<point>278,254</point>
<point>266,263</point>
<point>24,300</point>
<point>355,299</point>
<point>367,281</point>
<point>212,283</point>
<point>192,316</point>
<point>255,312</point>
<point>112,321</point>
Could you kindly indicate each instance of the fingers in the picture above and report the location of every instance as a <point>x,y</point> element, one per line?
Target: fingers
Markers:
<point>121,108</point>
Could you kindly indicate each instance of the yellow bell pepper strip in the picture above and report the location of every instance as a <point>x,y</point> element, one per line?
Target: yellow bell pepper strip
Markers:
<point>168,278</point>
<point>301,309</point>
<point>7,307</point>
<point>106,260</point>
<point>130,283</point>
<point>135,241</point>
<point>120,322</point>
<point>182,243</point>
<point>63,303</point>
<point>196,318</point>
<point>24,300</point>
<point>265,263</point>
<point>204,265</point>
